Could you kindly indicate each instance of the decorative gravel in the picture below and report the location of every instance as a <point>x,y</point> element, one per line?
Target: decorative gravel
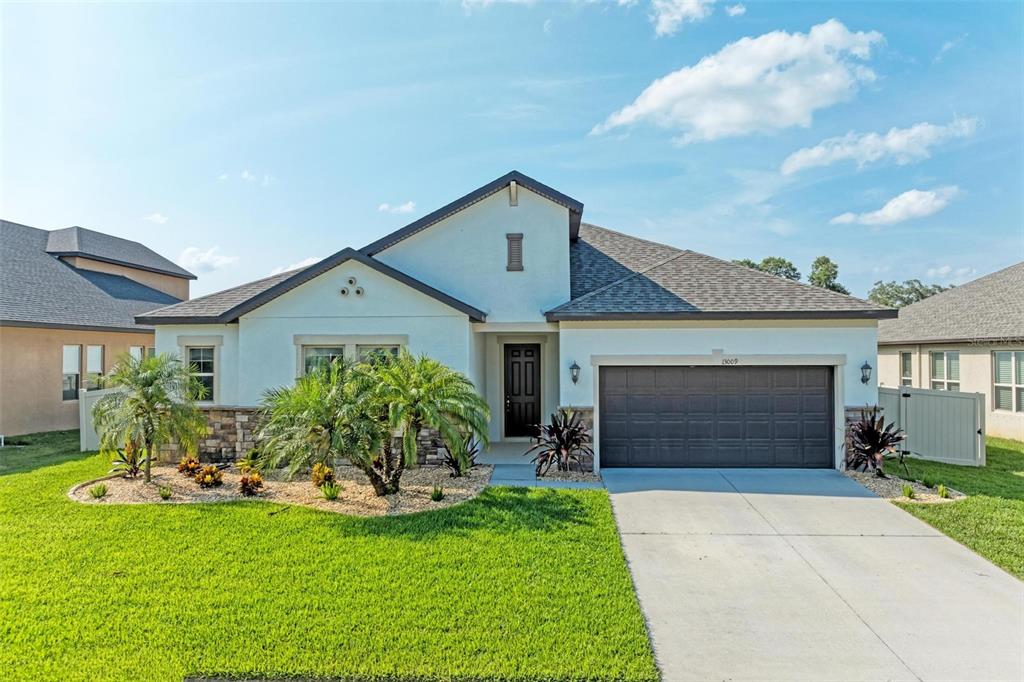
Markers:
<point>356,498</point>
<point>575,476</point>
<point>891,488</point>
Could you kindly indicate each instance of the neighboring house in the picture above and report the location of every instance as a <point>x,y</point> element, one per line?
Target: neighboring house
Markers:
<point>969,338</point>
<point>681,359</point>
<point>68,301</point>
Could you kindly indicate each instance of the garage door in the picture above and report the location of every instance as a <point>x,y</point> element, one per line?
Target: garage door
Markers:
<point>716,416</point>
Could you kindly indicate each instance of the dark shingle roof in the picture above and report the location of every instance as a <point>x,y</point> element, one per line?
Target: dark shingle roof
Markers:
<point>38,289</point>
<point>991,307</point>
<point>615,276</point>
<point>227,306</point>
<point>78,241</point>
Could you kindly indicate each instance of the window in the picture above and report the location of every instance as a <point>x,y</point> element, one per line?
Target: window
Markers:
<point>515,251</point>
<point>906,369</point>
<point>946,370</point>
<point>150,352</point>
<point>136,352</point>
<point>72,367</point>
<point>371,351</point>
<point>1008,381</point>
<point>93,367</point>
<point>200,360</point>
<point>320,356</point>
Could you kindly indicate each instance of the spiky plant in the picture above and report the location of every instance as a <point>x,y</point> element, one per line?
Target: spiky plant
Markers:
<point>871,439</point>
<point>129,461</point>
<point>460,456</point>
<point>563,442</point>
<point>156,404</point>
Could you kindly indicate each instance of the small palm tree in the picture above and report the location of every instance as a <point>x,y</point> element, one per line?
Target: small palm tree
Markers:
<point>156,405</point>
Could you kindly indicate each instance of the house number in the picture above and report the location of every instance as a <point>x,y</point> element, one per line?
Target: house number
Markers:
<point>730,361</point>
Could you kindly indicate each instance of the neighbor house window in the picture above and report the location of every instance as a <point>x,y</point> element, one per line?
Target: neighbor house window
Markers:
<point>93,367</point>
<point>906,369</point>
<point>137,352</point>
<point>200,360</point>
<point>1008,381</point>
<point>320,356</point>
<point>72,367</point>
<point>515,251</point>
<point>366,352</point>
<point>946,370</point>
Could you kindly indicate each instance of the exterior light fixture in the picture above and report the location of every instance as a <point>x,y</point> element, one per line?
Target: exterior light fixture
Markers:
<point>574,372</point>
<point>865,373</point>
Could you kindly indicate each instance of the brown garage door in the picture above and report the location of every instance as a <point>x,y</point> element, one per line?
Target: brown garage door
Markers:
<point>716,417</point>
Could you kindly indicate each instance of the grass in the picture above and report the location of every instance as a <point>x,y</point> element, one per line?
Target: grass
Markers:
<point>518,584</point>
<point>991,520</point>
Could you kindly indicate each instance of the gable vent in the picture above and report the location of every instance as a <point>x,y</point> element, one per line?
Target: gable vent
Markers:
<point>515,251</point>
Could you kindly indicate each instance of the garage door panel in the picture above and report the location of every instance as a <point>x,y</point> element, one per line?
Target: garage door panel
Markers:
<point>716,416</point>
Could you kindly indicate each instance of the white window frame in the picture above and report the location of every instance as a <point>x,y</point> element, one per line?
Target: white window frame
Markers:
<point>309,347</point>
<point>212,374</point>
<point>945,381</point>
<point>65,373</point>
<point>1016,387</point>
<point>363,348</point>
<point>351,342</point>
<point>907,379</point>
<point>137,352</point>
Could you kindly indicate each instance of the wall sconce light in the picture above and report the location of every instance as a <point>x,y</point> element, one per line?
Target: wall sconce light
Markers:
<point>574,372</point>
<point>865,373</point>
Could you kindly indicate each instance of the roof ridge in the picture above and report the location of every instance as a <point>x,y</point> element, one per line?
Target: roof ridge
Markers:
<point>635,273</point>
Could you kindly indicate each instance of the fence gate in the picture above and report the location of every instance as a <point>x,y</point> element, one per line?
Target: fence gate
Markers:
<point>943,426</point>
<point>88,439</point>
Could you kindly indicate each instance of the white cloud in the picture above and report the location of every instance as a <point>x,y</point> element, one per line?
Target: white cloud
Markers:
<point>736,10</point>
<point>158,218</point>
<point>912,204</point>
<point>946,47</point>
<point>407,207</point>
<point>669,15</point>
<point>196,259</point>
<point>904,145</point>
<point>951,274</point>
<point>304,263</point>
<point>469,5</point>
<point>222,177</point>
<point>547,26</point>
<point>248,177</point>
<point>755,85</point>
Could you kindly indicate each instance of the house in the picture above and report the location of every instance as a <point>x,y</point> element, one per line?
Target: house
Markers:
<point>969,338</point>
<point>68,301</point>
<point>679,359</point>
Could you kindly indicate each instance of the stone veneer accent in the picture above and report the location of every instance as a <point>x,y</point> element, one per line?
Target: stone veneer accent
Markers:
<point>853,414</point>
<point>587,415</point>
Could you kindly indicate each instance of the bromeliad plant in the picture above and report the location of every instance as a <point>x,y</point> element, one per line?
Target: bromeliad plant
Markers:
<point>562,443</point>
<point>129,461</point>
<point>156,405</point>
<point>871,439</point>
<point>462,457</point>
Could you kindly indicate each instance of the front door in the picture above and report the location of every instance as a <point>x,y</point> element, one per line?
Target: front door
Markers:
<point>522,389</point>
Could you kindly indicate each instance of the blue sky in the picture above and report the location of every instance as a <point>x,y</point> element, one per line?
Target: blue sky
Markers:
<point>243,138</point>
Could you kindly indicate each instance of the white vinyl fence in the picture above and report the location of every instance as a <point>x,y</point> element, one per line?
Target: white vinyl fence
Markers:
<point>88,439</point>
<point>943,426</point>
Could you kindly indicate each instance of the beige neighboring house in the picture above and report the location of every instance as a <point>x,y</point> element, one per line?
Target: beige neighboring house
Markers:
<point>68,301</point>
<point>971,339</point>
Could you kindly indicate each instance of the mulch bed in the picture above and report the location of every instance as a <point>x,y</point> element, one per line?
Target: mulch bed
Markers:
<point>356,498</point>
<point>891,488</point>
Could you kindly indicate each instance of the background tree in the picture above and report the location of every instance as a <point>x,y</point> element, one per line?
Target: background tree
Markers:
<point>773,265</point>
<point>897,295</point>
<point>824,273</point>
<point>156,405</point>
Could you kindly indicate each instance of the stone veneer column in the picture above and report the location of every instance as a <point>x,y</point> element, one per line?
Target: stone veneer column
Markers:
<point>587,415</point>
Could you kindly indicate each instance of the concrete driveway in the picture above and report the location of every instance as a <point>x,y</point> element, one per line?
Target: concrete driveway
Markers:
<point>805,575</point>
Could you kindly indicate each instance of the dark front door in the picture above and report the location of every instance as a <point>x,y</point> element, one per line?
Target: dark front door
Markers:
<point>716,416</point>
<point>522,388</point>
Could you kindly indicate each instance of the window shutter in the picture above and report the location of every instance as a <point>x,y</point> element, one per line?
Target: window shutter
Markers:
<point>515,251</point>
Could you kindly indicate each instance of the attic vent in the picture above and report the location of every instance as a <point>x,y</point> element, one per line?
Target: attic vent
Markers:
<point>515,251</point>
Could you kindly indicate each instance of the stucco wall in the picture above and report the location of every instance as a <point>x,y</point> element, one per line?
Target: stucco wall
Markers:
<point>31,374</point>
<point>465,255</point>
<point>175,286</point>
<point>975,377</point>
<point>174,339</point>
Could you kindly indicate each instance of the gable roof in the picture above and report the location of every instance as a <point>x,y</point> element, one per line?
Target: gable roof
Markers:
<point>78,241</point>
<point>39,290</point>
<point>618,277</point>
<point>575,209</point>
<point>988,308</point>
<point>227,306</point>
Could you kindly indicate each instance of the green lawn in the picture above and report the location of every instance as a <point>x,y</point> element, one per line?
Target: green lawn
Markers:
<point>991,520</point>
<point>515,585</point>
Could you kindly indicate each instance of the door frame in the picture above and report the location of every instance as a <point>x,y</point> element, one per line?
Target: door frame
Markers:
<point>718,357</point>
<point>504,344</point>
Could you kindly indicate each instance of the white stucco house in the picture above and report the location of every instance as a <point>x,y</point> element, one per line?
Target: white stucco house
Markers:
<point>681,359</point>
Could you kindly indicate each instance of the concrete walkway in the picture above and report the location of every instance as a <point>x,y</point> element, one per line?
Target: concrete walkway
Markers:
<point>522,475</point>
<point>805,575</point>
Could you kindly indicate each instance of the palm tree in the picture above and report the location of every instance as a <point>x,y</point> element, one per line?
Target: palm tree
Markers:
<point>156,405</point>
